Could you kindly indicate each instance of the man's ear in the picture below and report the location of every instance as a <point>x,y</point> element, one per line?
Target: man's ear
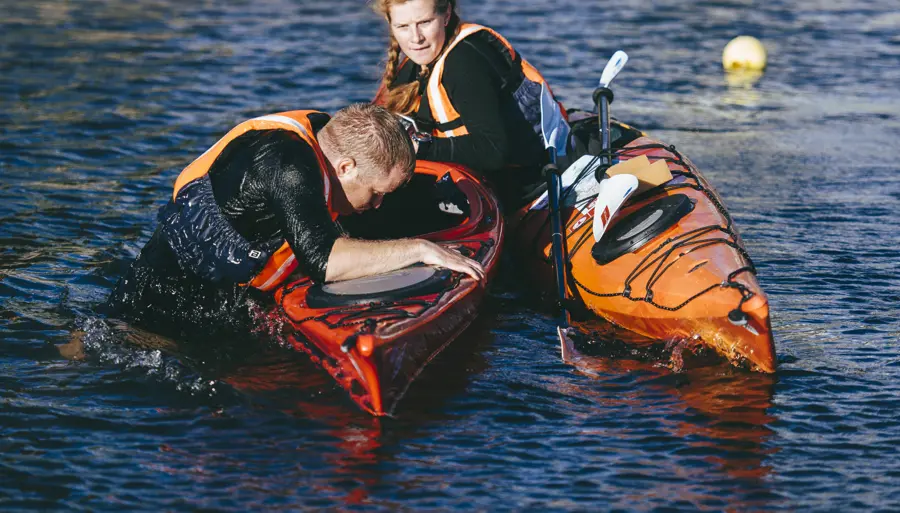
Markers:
<point>346,168</point>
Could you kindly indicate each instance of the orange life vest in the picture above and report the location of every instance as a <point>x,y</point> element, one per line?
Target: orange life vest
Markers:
<point>282,262</point>
<point>442,109</point>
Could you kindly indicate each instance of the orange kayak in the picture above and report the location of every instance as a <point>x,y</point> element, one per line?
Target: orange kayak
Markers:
<point>670,266</point>
<point>375,335</point>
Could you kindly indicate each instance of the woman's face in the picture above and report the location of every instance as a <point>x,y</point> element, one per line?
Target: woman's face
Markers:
<point>419,30</point>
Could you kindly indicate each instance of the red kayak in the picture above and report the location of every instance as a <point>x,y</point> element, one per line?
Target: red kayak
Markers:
<point>375,335</point>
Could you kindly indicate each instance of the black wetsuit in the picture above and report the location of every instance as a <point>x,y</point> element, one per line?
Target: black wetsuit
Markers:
<point>269,187</point>
<point>501,143</point>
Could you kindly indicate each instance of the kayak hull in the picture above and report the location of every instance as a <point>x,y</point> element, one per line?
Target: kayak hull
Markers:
<point>693,282</point>
<point>376,349</point>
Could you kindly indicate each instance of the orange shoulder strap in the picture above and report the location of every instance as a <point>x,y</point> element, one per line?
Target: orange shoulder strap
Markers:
<point>296,121</point>
<point>282,263</point>
<point>441,109</point>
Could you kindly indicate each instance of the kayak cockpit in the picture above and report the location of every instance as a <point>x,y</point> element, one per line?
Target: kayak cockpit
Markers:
<point>428,203</point>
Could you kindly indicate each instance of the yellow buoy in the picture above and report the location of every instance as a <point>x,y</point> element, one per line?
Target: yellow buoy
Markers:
<point>744,52</point>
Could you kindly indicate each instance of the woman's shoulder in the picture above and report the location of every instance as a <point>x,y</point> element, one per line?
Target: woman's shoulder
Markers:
<point>481,50</point>
<point>480,41</point>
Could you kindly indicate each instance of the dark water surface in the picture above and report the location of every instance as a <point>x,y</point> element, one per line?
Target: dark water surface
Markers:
<point>103,102</point>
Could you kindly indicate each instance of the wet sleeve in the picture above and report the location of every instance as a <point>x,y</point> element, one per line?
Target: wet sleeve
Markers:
<point>297,197</point>
<point>474,89</point>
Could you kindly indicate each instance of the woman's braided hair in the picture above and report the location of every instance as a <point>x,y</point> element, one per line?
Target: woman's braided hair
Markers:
<point>404,98</point>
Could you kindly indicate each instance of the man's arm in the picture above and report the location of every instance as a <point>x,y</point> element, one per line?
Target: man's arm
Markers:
<point>353,258</point>
<point>298,201</point>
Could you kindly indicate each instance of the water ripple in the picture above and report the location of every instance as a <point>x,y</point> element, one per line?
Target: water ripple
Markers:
<point>103,102</point>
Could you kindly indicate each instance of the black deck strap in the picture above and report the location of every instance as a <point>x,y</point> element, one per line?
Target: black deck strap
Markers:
<point>688,241</point>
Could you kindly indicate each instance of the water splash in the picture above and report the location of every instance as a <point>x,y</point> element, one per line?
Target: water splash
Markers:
<point>114,344</point>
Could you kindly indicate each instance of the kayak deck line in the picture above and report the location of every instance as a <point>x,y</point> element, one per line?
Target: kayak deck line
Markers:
<point>374,346</point>
<point>693,280</point>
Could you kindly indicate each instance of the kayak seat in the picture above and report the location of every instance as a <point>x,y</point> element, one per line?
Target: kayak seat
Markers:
<point>584,139</point>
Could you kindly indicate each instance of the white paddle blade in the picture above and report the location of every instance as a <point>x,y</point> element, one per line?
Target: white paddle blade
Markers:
<point>554,128</point>
<point>566,346</point>
<point>612,193</point>
<point>578,191</point>
<point>613,67</point>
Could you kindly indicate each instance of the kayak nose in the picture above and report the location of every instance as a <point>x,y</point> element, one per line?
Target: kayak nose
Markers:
<point>760,347</point>
<point>757,308</point>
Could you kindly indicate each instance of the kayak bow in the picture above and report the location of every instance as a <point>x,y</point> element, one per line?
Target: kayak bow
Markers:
<point>375,335</point>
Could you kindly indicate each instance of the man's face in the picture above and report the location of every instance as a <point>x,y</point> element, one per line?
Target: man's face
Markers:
<point>367,190</point>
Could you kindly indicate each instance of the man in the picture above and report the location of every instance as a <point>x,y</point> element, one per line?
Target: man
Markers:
<point>261,205</point>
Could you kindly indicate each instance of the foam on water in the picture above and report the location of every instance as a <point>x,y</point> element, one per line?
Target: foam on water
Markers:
<point>107,343</point>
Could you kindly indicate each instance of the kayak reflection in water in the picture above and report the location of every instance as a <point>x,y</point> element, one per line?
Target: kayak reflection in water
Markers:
<point>260,206</point>
<point>465,85</point>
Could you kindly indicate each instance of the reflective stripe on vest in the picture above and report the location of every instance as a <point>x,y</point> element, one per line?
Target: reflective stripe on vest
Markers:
<point>442,109</point>
<point>282,263</point>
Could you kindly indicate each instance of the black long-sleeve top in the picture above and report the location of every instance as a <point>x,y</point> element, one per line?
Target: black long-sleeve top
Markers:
<point>268,185</point>
<point>500,143</point>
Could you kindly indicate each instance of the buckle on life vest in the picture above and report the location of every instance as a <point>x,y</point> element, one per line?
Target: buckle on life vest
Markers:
<point>448,126</point>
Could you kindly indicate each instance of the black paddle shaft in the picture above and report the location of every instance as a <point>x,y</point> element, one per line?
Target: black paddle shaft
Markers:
<point>554,188</point>
<point>603,96</point>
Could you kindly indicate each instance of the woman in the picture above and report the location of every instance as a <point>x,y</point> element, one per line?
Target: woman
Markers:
<point>467,87</point>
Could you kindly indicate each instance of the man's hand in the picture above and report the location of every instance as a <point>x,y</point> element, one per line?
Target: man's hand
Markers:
<point>433,254</point>
<point>351,258</point>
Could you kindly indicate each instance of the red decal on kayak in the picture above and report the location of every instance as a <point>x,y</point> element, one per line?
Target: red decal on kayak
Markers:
<point>578,224</point>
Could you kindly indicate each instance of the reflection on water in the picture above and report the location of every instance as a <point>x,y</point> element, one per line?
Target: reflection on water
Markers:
<point>716,415</point>
<point>103,102</point>
<point>741,88</point>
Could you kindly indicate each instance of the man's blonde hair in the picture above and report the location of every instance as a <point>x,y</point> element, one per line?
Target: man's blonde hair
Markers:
<point>373,137</point>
